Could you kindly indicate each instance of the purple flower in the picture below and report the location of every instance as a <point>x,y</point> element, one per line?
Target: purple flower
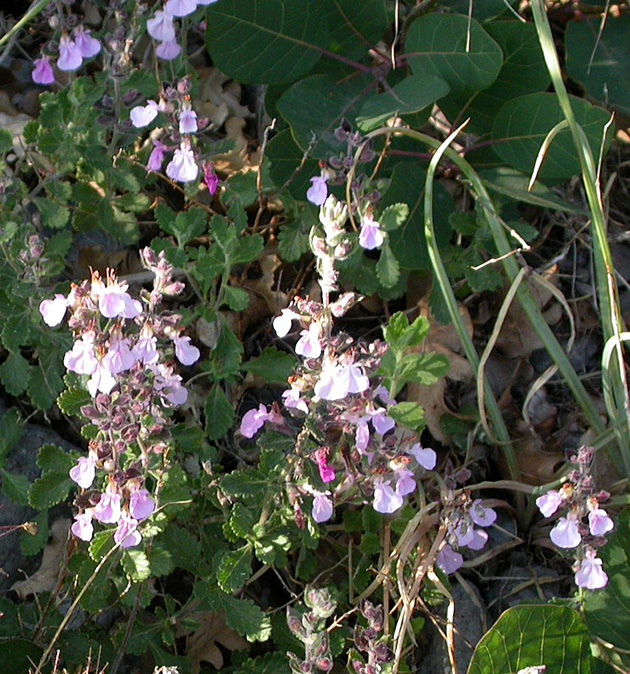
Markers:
<point>405,481</point>
<point>188,121</point>
<point>84,472</point>
<point>481,516</point>
<point>43,72</point>
<point>82,527</point>
<point>309,344</point>
<point>160,27</point>
<point>141,505</point>
<point>87,45</point>
<point>69,54</point>
<point>318,191</point>
<point>370,236</point>
<point>463,532</point>
<point>169,385</point>
<point>599,523</point>
<point>448,560</point>
<point>114,302</point>
<point>337,381</point>
<point>210,178</point>
<point>427,458</point>
<point>326,472</point>
<point>205,2</point>
<point>386,500</point>
<point>362,436</point>
<point>157,156</point>
<point>566,533</point>
<point>119,357</point>
<point>126,534</point>
<point>53,311</point>
<point>182,166</point>
<point>590,574</point>
<point>253,421</point>
<point>145,348</point>
<point>186,353</point>
<point>381,422</point>
<point>81,358</point>
<point>282,323</point>
<point>550,502</point>
<point>180,7</point>
<point>143,115</point>
<point>168,50</point>
<point>322,507</point>
<point>479,539</point>
<point>293,400</point>
<point>107,510</point>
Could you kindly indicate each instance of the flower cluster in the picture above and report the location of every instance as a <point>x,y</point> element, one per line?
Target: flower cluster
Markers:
<point>370,641</point>
<point>353,443</point>
<point>460,518</point>
<point>176,136</point>
<point>124,349</point>
<point>586,522</point>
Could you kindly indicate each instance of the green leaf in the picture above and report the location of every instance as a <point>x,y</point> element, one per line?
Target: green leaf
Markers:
<point>422,368</point>
<point>219,413</point>
<point>184,547</point>
<point>102,542</point>
<point>285,157</point>
<point>53,215</point>
<point>249,483</point>
<point>455,48</point>
<point>293,240</point>
<point>15,487</point>
<point>273,365</point>
<point>354,26</point>
<point>43,386</point>
<point>6,141</point>
<point>522,125</point>
<point>31,544</point>
<point>235,298</point>
<point>234,569</point>
<point>18,655</point>
<point>598,53</point>
<point>54,459</point>
<point>11,429</point>
<point>278,40</point>
<point>393,217</point>
<point>14,373</point>
<point>399,334</point>
<point>482,11</point>
<point>246,249</point>
<point>387,267</point>
<point>184,226</point>
<point>136,565</point>
<point>72,400</point>
<point>527,636</point>
<point>410,95</point>
<point>408,414</point>
<point>48,490</point>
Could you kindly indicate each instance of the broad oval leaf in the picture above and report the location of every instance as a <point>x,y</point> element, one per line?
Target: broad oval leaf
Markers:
<point>354,26</point>
<point>522,125</point>
<point>454,48</point>
<point>265,41</point>
<point>530,636</point>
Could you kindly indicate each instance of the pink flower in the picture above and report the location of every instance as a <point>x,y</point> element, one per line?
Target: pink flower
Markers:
<point>119,356</point>
<point>114,302</point>
<point>101,380</point>
<point>590,574</point>
<point>370,236</point>
<point>205,2</point>
<point>427,458</point>
<point>386,500</point>
<point>405,481</point>
<point>550,502</point>
<point>169,385</point>
<point>293,400</point>
<point>362,436</point>
<point>145,348</point>
<point>326,472</point>
<point>599,523</point>
<point>141,505</point>
<point>43,72</point>
<point>182,166</point>
<point>81,358</point>
<point>337,381</point>
<point>157,156</point>
<point>253,421</point>
<point>309,344</point>
<point>381,422</point>
<point>160,27</point>
<point>180,7</point>
<point>126,534</point>
<point>82,527</point>
<point>188,121</point>
<point>70,57</point>
<point>87,45</point>
<point>168,50</point>
<point>53,311</point>
<point>481,516</point>
<point>107,510</point>
<point>210,178</point>
<point>318,191</point>
<point>322,507</point>
<point>186,353</point>
<point>282,323</point>
<point>143,115</point>
<point>566,533</point>
<point>448,560</point>
<point>84,472</point>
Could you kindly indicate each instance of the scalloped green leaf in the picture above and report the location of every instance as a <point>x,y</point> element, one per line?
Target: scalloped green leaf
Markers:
<point>219,413</point>
<point>273,365</point>
<point>136,565</point>
<point>234,569</point>
<point>48,490</point>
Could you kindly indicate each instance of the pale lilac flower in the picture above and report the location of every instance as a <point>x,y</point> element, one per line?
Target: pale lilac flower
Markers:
<point>381,422</point>
<point>293,400</point>
<point>82,527</point>
<point>119,357</point>
<point>127,534</point>
<point>141,505</point>
<point>318,191</point>
<point>282,323</point>
<point>180,7</point>
<point>386,500</point>
<point>81,358</point>
<point>114,302</point>
<point>590,574</point>
<point>463,532</point>
<point>337,381</point>
<point>143,115</point>
<point>481,516</point>
<point>188,121</point>
<point>160,27</point>
<point>145,349</point>
<point>88,46</point>
<point>566,533</point>
<point>362,436</point>
<point>448,560</point>
<point>182,166</point>
<point>43,72</point>
<point>479,539</point>
<point>69,54</point>
<point>53,311</point>
<point>599,523</point>
<point>84,472</point>
<point>157,156</point>
<point>550,502</point>
<point>205,2</point>
<point>107,510</point>
<point>168,50</point>
<point>427,458</point>
<point>405,481</point>
<point>370,236</point>
<point>322,507</point>
<point>169,385</point>
<point>253,421</point>
<point>309,344</point>
<point>383,394</point>
<point>186,353</point>
<point>101,380</point>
